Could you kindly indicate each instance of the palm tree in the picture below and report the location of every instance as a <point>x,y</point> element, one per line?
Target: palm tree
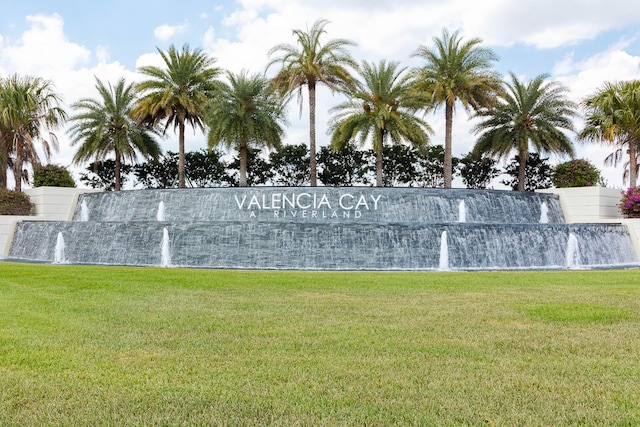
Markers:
<point>28,107</point>
<point>613,117</point>
<point>307,64</point>
<point>247,113</point>
<point>456,71</point>
<point>177,95</point>
<point>382,108</point>
<point>527,114</point>
<point>106,125</point>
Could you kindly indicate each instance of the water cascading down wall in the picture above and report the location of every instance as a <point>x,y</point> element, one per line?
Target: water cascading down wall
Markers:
<point>324,228</point>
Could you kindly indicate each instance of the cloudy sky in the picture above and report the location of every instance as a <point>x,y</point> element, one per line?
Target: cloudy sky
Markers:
<point>580,44</point>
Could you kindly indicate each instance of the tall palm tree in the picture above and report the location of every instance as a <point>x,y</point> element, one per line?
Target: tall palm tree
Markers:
<point>28,107</point>
<point>527,115</point>
<point>613,117</point>
<point>305,65</point>
<point>380,108</point>
<point>106,125</point>
<point>177,94</point>
<point>456,71</point>
<point>246,113</point>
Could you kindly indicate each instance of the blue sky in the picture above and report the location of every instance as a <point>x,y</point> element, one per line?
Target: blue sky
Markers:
<point>580,44</point>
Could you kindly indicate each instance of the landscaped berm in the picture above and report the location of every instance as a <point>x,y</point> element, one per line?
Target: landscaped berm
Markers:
<point>92,345</point>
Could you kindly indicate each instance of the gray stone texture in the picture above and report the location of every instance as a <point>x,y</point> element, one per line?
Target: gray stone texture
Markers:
<point>372,229</point>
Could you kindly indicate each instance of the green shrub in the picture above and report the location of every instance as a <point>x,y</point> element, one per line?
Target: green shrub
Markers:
<point>52,176</point>
<point>15,203</point>
<point>575,173</point>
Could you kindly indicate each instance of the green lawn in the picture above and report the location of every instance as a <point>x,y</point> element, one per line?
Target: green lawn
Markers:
<point>84,345</point>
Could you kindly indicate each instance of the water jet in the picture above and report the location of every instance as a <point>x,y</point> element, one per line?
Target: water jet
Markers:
<point>544,213</point>
<point>462,212</point>
<point>444,252</point>
<point>84,211</point>
<point>160,215</point>
<point>165,254</point>
<point>59,257</point>
<point>573,252</point>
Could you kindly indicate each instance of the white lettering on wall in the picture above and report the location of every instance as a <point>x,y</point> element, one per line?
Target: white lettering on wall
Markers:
<point>309,205</point>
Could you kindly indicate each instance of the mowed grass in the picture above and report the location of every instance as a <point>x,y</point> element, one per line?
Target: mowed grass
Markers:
<point>85,345</point>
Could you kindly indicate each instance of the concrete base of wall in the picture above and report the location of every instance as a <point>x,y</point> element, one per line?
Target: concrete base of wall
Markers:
<point>588,204</point>
<point>52,204</point>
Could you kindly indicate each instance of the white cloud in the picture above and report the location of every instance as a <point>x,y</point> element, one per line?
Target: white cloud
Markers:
<point>381,29</point>
<point>149,59</point>
<point>102,54</point>
<point>585,76</point>
<point>547,24</point>
<point>166,32</point>
<point>43,48</point>
<point>208,39</point>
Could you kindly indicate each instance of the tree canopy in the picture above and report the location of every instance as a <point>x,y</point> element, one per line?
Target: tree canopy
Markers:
<point>382,105</point>
<point>177,94</point>
<point>308,63</point>
<point>531,115</point>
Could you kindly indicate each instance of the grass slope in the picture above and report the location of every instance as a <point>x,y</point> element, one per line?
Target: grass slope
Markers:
<point>84,345</point>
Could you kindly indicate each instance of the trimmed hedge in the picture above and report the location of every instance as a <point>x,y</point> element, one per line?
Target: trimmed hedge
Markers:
<point>15,203</point>
<point>575,173</point>
<point>52,176</point>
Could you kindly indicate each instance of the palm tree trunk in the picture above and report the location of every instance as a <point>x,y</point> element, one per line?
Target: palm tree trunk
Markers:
<point>242,182</point>
<point>17,168</point>
<point>379,150</point>
<point>117,171</point>
<point>312,134</point>
<point>448,129</point>
<point>3,165</point>
<point>3,176</point>
<point>181,162</point>
<point>522,169</point>
<point>633,164</point>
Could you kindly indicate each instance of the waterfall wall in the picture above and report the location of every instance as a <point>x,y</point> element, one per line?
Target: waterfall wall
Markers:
<point>319,205</point>
<point>325,229</point>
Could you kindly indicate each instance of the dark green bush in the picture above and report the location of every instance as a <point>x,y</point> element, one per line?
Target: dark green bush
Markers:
<point>15,203</point>
<point>52,176</point>
<point>575,173</point>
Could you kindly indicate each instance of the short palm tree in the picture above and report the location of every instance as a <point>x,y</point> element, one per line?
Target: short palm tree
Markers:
<point>381,109</point>
<point>613,117</point>
<point>28,107</point>
<point>456,71</point>
<point>531,114</point>
<point>177,94</point>
<point>246,113</point>
<point>305,65</point>
<point>104,126</point>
